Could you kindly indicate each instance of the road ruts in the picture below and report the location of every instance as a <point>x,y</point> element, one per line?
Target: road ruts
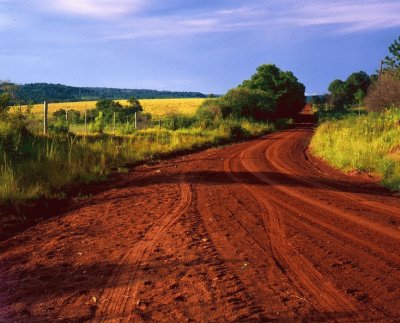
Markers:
<point>119,297</point>
<point>255,231</point>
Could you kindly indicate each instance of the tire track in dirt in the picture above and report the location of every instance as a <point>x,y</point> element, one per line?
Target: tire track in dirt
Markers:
<point>273,153</point>
<point>119,297</point>
<point>272,156</point>
<point>309,282</point>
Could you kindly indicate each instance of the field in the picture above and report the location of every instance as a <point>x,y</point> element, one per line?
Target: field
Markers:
<point>158,108</point>
<point>368,143</point>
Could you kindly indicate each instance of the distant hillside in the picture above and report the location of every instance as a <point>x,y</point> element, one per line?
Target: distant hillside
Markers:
<point>39,92</point>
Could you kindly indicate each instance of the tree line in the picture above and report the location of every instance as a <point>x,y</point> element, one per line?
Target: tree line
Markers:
<point>39,92</point>
<point>376,92</point>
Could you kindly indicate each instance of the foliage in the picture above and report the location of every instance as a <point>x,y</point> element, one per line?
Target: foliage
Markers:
<point>247,103</point>
<point>374,145</point>
<point>7,95</point>
<point>39,92</point>
<point>39,166</point>
<point>158,108</point>
<point>282,87</point>
<point>384,93</point>
<point>392,61</point>
<point>350,92</point>
<point>269,94</point>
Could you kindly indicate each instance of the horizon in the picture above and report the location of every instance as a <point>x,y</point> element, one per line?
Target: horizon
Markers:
<point>200,46</point>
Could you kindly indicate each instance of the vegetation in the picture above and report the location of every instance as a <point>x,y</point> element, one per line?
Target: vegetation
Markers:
<point>269,94</point>
<point>392,61</point>
<point>349,93</point>
<point>39,92</point>
<point>158,108</point>
<point>367,141</point>
<point>384,93</point>
<point>33,166</point>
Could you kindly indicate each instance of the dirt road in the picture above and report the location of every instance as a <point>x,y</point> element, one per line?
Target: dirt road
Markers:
<point>254,231</point>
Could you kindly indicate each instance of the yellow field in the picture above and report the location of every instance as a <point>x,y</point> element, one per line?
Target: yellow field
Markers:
<point>156,107</point>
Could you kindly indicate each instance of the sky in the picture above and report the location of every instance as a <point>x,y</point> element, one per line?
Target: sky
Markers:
<point>192,45</point>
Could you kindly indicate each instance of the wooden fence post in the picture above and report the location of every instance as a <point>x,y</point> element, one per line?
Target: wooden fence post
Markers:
<point>114,124</point>
<point>85,121</point>
<point>160,123</point>
<point>45,111</point>
<point>66,118</point>
<point>135,120</point>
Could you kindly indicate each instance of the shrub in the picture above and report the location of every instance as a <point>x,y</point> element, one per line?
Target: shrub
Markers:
<point>384,93</point>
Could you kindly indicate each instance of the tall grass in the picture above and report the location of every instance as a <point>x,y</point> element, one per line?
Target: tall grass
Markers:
<point>369,143</point>
<point>34,166</point>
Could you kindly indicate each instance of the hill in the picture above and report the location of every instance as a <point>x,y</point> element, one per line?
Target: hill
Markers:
<point>39,92</point>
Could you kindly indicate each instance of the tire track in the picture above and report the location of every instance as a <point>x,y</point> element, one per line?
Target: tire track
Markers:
<point>309,282</point>
<point>272,155</point>
<point>120,295</point>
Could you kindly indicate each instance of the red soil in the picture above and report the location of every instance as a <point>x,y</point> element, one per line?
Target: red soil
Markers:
<point>254,231</point>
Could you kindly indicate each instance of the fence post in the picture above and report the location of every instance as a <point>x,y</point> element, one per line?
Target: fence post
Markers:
<point>45,111</point>
<point>145,122</point>
<point>160,123</point>
<point>114,124</point>
<point>135,120</point>
<point>66,118</point>
<point>85,121</point>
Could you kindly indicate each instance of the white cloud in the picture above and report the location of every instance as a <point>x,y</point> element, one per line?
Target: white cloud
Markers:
<point>343,16</point>
<point>183,25</point>
<point>96,8</point>
<point>349,16</point>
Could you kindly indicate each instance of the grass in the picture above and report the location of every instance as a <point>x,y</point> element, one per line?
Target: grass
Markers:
<point>368,143</point>
<point>35,166</point>
<point>158,108</point>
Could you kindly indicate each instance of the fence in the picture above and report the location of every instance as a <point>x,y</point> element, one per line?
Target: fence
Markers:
<point>88,121</point>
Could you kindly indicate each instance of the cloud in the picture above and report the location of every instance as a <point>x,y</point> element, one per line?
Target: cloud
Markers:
<point>348,16</point>
<point>188,24</point>
<point>103,9</point>
<point>342,16</point>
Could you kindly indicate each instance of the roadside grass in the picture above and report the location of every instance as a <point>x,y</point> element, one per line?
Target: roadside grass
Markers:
<point>35,166</point>
<point>368,143</point>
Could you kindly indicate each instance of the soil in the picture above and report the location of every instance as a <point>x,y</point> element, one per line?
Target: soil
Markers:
<point>255,231</point>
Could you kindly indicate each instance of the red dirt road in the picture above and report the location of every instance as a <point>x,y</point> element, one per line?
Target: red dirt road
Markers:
<point>254,231</point>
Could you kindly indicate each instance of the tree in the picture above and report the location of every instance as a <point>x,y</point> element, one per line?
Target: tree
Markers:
<point>355,82</point>
<point>392,61</point>
<point>283,87</point>
<point>247,103</point>
<point>349,92</point>
<point>7,95</point>
<point>384,93</point>
<point>133,107</point>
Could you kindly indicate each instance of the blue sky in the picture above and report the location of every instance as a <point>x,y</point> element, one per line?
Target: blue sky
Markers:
<point>207,46</point>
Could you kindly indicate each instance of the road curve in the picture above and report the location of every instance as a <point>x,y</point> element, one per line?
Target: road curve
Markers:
<point>258,231</point>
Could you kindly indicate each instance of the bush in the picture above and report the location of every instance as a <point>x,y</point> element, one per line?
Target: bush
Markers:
<point>384,93</point>
<point>178,121</point>
<point>247,103</point>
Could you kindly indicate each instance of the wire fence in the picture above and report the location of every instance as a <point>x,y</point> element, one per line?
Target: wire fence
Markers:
<point>92,121</point>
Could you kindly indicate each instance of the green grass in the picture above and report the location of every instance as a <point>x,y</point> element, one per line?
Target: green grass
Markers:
<point>368,143</point>
<point>35,166</point>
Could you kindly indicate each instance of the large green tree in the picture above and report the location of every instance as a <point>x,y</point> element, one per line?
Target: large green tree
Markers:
<point>283,87</point>
<point>350,92</point>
